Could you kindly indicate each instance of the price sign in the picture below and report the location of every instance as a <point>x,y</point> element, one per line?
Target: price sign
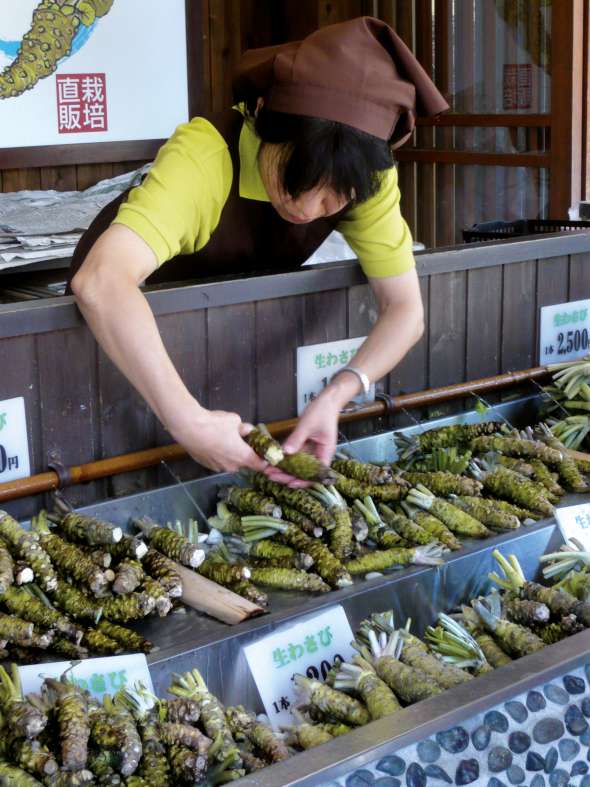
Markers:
<point>98,676</point>
<point>309,647</point>
<point>574,522</point>
<point>14,445</point>
<point>565,332</point>
<point>316,363</point>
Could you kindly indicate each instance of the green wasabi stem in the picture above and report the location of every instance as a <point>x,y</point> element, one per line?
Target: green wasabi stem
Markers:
<point>262,737</point>
<point>454,645</point>
<point>459,522</point>
<point>26,605</point>
<point>190,685</point>
<point>261,441</point>
<point>87,530</point>
<point>449,460</point>
<point>437,530</point>
<point>171,544</point>
<point>299,499</point>
<point>375,693</point>
<point>504,483</point>
<point>341,535</point>
<point>22,718</point>
<point>381,560</point>
<point>495,655</point>
<point>326,565</point>
<point>403,526</point>
<point>6,569</point>
<point>24,545</point>
<point>487,513</point>
<point>71,706</point>
<point>458,435</point>
<point>226,521</point>
<point>288,579</point>
<point>378,531</point>
<point>331,702</point>
<point>443,483</point>
<point>578,584</point>
<point>517,640</point>
<point>382,652</point>
<point>362,471</point>
<point>164,571</point>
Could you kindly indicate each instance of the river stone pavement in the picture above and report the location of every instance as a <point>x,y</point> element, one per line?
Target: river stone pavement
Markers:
<point>540,738</point>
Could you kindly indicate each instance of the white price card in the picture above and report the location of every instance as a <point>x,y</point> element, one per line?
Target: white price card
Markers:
<point>565,332</point>
<point>308,647</point>
<point>98,676</point>
<point>14,444</point>
<point>574,522</point>
<point>317,363</point>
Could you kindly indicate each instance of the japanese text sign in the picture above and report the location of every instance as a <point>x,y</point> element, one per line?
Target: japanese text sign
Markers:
<point>574,522</point>
<point>14,445</point>
<point>98,676</point>
<point>308,647</point>
<point>317,363</point>
<point>565,332</point>
<point>81,102</point>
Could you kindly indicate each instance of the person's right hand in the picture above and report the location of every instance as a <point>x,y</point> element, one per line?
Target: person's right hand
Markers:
<point>214,439</point>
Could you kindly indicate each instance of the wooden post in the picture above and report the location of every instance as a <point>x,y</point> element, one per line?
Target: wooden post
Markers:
<point>567,44</point>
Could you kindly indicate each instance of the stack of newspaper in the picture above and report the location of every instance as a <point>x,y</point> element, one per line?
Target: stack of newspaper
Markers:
<point>44,225</point>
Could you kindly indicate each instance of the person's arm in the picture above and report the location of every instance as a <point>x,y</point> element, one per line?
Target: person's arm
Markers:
<point>107,292</point>
<point>399,326</point>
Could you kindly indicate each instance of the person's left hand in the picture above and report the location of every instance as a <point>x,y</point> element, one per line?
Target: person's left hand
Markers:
<point>316,433</point>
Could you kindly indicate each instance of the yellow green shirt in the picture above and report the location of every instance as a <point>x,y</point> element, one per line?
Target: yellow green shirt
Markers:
<point>178,205</point>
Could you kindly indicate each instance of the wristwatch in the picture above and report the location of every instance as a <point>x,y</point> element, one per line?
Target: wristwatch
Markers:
<point>363,379</point>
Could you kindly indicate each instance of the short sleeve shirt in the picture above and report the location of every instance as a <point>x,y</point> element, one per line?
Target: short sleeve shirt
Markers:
<point>178,205</point>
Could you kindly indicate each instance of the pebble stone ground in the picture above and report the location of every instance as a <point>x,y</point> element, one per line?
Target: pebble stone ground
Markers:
<point>537,739</point>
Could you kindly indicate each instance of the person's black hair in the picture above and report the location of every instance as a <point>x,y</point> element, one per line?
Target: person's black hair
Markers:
<point>322,152</point>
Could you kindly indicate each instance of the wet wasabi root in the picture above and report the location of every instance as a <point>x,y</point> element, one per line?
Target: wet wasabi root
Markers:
<point>128,577</point>
<point>504,483</point>
<point>381,560</point>
<point>178,734</point>
<point>340,536</point>
<point>245,726</point>
<point>288,579</point>
<point>262,443</point>
<point>71,707</point>
<point>363,471</point>
<point>407,529</point>
<point>25,605</point>
<point>390,492</point>
<point>153,589</point>
<point>428,522</point>
<point>84,529</point>
<point>516,447</point>
<point>75,603</point>
<point>444,484</point>
<point>170,543</point>
<point>164,571</point>
<point>516,639</point>
<point>486,512</point>
<point>458,435</point>
<point>6,569</point>
<point>375,693</point>
<point>24,545</point>
<point>22,718</point>
<point>458,521</point>
<point>299,499</point>
<point>129,546</point>
<point>133,606</point>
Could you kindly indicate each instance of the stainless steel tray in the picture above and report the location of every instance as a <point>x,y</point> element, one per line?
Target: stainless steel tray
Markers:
<point>191,639</point>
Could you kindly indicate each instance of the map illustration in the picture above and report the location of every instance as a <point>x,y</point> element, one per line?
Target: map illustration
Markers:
<point>58,29</point>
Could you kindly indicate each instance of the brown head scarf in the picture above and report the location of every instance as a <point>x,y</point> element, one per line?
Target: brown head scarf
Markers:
<point>358,72</point>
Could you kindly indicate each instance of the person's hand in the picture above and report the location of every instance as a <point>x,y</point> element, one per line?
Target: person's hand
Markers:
<point>316,433</point>
<point>214,439</point>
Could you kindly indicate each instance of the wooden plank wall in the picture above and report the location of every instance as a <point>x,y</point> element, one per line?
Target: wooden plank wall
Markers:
<point>242,357</point>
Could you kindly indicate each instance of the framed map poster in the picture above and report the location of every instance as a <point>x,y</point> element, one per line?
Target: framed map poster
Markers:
<point>92,80</point>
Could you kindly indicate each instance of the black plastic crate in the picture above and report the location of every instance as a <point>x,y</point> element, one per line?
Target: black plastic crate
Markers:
<point>500,230</point>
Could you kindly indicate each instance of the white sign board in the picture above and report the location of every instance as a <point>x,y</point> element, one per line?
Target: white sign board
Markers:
<point>565,332</point>
<point>308,647</point>
<point>574,522</point>
<point>14,445</point>
<point>98,676</point>
<point>124,76</point>
<point>316,363</point>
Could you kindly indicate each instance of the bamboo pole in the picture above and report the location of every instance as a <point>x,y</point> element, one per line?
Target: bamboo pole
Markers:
<point>79,474</point>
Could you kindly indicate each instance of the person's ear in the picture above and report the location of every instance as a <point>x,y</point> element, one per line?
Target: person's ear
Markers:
<point>259,105</point>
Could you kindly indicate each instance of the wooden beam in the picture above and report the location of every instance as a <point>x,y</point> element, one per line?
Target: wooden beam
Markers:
<point>567,44</point>
<point>475,157</point>
<point>485,120</point>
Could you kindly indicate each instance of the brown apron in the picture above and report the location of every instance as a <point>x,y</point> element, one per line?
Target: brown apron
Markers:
<point>251,237</point>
